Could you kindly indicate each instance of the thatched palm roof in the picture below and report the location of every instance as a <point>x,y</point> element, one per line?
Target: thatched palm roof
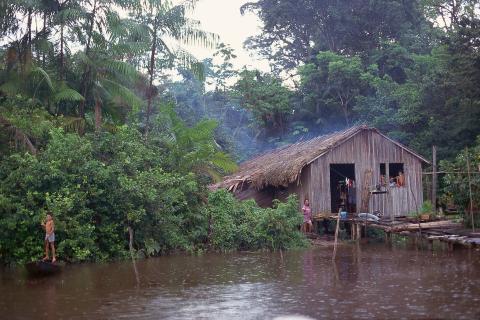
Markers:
<point>283,166</point>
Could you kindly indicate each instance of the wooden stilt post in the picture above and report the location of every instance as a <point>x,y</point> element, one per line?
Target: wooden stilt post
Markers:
<point>434,179</point>
<point>336,236</point>
<point>367,177</point>
<point>470,191</point>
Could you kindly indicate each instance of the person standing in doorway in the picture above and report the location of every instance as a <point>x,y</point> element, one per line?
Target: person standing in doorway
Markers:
<point>49,227</point>
<point>307,216</point>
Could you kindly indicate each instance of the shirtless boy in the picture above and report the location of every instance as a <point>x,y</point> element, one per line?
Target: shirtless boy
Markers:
<point>49,227</point>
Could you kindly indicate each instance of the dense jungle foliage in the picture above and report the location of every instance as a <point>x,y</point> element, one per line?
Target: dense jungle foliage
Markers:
<point>94,128</point>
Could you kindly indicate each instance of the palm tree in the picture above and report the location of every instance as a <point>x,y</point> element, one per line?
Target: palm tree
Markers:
<point>96,29</point>
<point>166,21</point>
<point>35,83</point>
<point>193,148</point>
<point>107,83</point>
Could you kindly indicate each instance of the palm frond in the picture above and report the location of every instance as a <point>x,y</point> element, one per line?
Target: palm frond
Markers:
<point>69,14</point>
<point>110,127</point>
<point>84,59</point>
<point>137,30</point>
<point>68,94</point>
<point>224,162</point>
<point>116,90</point>
<point>191,35</point>
<point>212,173</point>
<point>43,76</point>
<point>188,61</point>
<point>204,130</point>
<point>189,4</point>
<point>72,124</point>
<point>121,68</point>
<point>163,45</point>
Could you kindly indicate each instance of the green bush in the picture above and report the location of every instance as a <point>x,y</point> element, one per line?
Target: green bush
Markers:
<point>99,185</point>
<point>243,225</point>
<point>456,182</point>
<point>96,186</point>
<point>427,207</point>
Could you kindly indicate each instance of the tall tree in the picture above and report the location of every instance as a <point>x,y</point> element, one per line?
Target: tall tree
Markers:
<point>295,31</point>
<point>447,14</point>
<point>335,81</point>
<point>266,97</point>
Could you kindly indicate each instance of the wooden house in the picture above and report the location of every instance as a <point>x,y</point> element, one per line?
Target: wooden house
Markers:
<point>359,168</point>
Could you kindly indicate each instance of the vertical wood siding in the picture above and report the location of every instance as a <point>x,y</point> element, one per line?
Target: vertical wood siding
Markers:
<point>366,151</point>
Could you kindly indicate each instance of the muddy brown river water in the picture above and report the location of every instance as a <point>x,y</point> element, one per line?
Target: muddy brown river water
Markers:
<point>368,281</point>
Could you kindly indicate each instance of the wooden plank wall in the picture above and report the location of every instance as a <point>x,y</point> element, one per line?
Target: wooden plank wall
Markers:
<point>263,197</point>
<point>366,150</point>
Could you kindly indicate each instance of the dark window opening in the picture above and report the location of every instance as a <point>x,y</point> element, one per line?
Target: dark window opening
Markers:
<point>396,175</point>
<point>342,187</point>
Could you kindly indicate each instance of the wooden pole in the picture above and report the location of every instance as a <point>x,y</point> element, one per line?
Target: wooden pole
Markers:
<point>336,236</point>
<point>434,179</point>
<point>470,191</point>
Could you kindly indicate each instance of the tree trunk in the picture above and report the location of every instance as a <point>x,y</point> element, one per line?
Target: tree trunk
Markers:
<point>90,28</point>
<point>29,28</point>
<point>317,107</point>
<point>130,246</point>
<point>434,179</point>
<point>87,69</point>
<point>45,37</point>
<point>344,106</point>
<point>62,61</point>
<point>152,73</point>
<point>130,240</point>
<point>98,115</point>
<point>26,55</point>
<point>470,191</point>
<point>345,114</point>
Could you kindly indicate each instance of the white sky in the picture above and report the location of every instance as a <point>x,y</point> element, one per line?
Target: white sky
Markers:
<point>223,18</point>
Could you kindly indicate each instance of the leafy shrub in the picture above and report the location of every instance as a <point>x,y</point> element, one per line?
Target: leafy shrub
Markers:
<point>456,182</point>
<point>96,186</point>
<point>243,225</point>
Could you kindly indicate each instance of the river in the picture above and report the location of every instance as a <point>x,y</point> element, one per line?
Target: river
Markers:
<point>367,281</point>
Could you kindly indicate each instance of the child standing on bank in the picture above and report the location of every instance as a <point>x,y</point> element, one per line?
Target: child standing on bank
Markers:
<point>49,227</point>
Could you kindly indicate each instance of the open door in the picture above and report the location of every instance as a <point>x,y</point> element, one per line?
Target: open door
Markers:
<point>343,187</point>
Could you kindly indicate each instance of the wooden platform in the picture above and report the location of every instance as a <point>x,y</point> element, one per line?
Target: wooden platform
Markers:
<point>448,231</point>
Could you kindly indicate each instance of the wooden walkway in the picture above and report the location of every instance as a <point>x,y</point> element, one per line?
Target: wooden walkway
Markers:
<point>450,232</point>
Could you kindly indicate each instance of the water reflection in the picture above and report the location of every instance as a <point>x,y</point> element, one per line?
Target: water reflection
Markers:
<point>369,281</point>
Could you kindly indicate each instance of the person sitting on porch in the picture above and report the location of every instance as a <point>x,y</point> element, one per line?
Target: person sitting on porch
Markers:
<point>307,217</point>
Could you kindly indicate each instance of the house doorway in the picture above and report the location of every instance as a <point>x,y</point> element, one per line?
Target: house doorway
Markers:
<point>343,187</point>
